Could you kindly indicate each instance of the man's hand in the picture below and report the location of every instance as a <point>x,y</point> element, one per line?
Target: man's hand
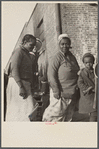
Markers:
<point>22,92</point>
<point>57,95</point>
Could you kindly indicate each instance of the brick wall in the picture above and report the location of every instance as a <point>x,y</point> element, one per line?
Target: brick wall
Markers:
<point>80,22</point>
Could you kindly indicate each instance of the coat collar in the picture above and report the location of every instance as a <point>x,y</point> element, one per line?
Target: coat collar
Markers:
<point>23,48</point>
<point>69,53</point>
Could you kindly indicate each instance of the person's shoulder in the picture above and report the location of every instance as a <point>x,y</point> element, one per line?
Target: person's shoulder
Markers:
<point>83,71</point>
<point>58,55</point>
<point>18,49</point>
<point>17,52</point>
<point>56,58</point>
<point>80,71</point>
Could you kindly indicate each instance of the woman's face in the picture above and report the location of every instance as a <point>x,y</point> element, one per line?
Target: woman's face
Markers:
<point>64,45</point>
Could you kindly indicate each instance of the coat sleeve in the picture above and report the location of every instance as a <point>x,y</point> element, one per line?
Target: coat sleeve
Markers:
<point>81,83</point>
<point>15,65</point>
<point>53,74</point>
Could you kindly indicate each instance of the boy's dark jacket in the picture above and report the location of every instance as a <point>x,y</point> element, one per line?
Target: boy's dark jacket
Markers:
<point>85,80</point>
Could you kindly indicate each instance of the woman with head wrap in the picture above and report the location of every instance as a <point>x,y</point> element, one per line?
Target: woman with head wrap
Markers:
<point>62,76</point>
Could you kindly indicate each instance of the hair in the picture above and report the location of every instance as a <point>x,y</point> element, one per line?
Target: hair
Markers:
<point>27,37</point>
<point>88,55</point>
<point>68,39</point>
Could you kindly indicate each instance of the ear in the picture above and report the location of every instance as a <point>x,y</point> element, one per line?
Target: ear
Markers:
<point>24,42</point>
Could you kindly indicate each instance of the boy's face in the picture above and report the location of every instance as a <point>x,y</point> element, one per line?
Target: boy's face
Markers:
<point>88,62</point>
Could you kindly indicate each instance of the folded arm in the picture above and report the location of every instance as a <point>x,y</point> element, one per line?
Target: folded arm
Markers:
<point>83,86</point>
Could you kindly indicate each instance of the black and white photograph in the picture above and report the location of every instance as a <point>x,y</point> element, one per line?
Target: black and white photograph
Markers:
<point>49,73</point>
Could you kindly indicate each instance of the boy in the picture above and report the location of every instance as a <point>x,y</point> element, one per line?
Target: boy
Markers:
<point>86,83</point>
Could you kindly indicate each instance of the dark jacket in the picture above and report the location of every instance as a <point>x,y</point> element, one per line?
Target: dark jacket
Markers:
<point>62,74</point>
<point>23,65</point>
<point>85,80</point>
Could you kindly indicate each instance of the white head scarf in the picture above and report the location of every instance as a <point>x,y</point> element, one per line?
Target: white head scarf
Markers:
<point>39,48</point>
<point>38,45</point>
<point>61,36</point>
